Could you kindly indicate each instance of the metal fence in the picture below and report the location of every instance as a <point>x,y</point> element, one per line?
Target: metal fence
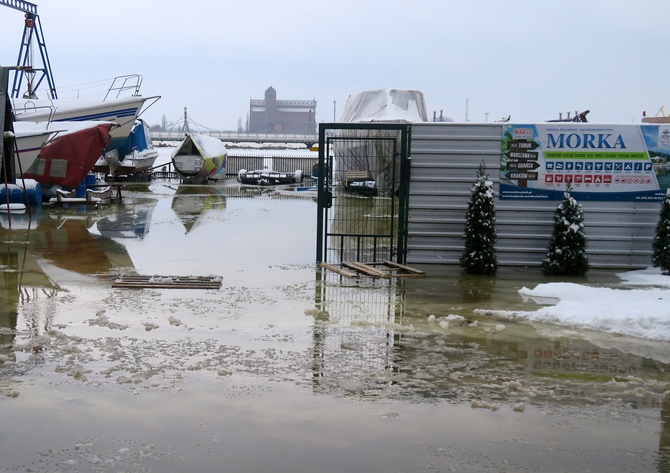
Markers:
<point>362,192</point>
<point>445,159</point>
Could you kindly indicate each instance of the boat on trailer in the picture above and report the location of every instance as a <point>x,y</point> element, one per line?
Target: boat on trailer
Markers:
<point>200,158</point>
<point>136,155</point>
<point>121,104</point>
<point>69,157</point>
<point>266,177</point>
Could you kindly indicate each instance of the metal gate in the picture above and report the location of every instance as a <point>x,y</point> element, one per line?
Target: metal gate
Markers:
<point>363,187</point>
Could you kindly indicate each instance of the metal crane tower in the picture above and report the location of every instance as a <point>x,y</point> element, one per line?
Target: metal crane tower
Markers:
<point>32,30</point>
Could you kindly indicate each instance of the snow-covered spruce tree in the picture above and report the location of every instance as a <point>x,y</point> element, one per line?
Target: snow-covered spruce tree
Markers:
<point>567,250</point>
<point>661,243</point>
<point>479,255</point>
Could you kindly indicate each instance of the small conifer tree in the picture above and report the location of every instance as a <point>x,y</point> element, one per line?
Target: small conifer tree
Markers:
<point>566,255</point>
<point>480,232</point>
<point>661,243</point>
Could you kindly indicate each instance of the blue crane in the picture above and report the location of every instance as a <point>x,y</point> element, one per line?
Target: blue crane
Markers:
<point>32,31</point>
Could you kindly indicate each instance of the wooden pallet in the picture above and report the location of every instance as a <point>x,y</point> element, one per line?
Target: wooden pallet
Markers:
<point>385,269</point>
<point>168,282</point>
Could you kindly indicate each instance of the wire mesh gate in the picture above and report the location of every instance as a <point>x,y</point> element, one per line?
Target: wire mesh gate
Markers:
<point>363,184</point>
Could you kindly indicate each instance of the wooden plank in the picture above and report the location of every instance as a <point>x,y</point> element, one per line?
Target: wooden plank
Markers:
<point>402,266</point>
<point>369,270</point>
<point>340,271</point>
<point>167,282</point>
<point>387,269</point>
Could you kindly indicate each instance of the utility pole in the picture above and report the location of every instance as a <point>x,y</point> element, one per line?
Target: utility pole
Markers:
<point>184,127</point>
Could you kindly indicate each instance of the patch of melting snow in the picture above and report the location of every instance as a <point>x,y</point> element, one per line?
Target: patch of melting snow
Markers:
<point>449,320</point>
<point>161,280</point>
<point>102,320</point>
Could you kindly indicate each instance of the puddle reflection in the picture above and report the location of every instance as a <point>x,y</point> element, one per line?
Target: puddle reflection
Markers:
<point>247,354</point>
<point>193,203</point>
<point>401,338</point>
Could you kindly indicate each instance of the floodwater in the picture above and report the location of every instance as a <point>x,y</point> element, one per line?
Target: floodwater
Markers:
<point>288,368</point>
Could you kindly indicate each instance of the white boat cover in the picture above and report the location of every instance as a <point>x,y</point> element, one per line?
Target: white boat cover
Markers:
<point>385,105</point>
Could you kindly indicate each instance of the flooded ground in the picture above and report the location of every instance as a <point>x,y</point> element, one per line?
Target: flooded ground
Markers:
<point>289,368</point>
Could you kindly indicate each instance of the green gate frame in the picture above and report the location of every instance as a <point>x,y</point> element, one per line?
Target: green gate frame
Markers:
<point>324,182</point>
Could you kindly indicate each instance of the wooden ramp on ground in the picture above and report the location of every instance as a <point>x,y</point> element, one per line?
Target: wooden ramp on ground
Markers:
<point>168,282</point>
<point>385,269</point>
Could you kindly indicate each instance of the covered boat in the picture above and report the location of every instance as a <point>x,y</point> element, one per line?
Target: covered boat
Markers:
<point>365,165</point>
<point>266,177</point>
<point>137,154</point>
<point>200,158</point>
<point>69,157</point>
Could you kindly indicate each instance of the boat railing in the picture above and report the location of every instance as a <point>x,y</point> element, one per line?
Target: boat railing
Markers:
<point>122,84</point>
<point>30,106</point>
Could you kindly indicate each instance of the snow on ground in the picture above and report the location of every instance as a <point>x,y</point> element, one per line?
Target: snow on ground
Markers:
<point>640,308</point>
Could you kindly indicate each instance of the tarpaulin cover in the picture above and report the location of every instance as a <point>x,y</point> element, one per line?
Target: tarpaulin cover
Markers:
<point>68,158</point>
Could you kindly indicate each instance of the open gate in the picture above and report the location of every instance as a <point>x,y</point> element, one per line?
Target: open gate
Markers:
<point>363,187</point>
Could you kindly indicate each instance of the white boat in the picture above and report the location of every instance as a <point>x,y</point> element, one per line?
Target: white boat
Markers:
<point>113,107</point>
<point>200,158</point>
<point>122,112</point>
<point>136,155</point>
<point>29,142</point>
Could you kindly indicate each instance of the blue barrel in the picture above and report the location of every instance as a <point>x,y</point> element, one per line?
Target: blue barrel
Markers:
<point>15,194</point>
<point>87,183</point>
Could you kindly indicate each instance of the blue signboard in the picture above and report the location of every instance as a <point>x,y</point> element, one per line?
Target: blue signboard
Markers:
<point>597,162</point>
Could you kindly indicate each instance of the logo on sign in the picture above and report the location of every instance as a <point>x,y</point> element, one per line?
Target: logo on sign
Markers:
<point>664,137</point>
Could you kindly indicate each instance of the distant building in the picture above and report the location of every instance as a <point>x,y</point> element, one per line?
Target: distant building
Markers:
<point>281,116</point>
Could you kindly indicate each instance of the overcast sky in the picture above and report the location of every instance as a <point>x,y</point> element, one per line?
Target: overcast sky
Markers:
<point>529,59</point>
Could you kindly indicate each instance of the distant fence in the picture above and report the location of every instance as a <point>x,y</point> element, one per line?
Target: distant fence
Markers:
<point>282,164</point>
<point>250,163</point>
<point>242,137</point>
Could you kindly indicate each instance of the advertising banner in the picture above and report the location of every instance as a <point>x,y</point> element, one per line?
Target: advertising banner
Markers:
<point>598,162</point>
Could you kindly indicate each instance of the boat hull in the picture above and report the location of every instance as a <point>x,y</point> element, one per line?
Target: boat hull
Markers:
<point>133,164</point>
<point>28,147</point>
<point>656,120</point>
<point>122,112</point>
<point>200,158</point>
<point>136,155</point>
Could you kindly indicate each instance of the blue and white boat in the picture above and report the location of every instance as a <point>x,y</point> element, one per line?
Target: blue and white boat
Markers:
<point>136,155</point>
<point>114,107</point>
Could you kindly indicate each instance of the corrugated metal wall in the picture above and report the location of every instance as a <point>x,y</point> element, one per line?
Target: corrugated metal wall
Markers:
<point>445,159</point>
